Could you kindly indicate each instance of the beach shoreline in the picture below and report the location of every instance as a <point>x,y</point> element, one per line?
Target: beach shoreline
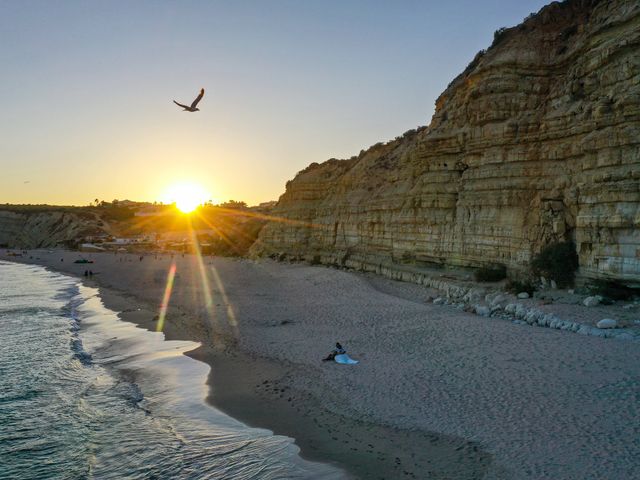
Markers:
<point>143,400</point>
<point>251,388</point>
<point>507,401</point>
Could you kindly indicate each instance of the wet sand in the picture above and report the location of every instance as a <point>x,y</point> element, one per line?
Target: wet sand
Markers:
<point>439,393</point>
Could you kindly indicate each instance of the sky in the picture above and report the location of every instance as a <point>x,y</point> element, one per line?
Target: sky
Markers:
<point>86,89</point>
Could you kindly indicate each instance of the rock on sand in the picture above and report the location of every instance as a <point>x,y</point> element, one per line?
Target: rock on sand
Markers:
<point>591,301</point>
<point>607,323</point>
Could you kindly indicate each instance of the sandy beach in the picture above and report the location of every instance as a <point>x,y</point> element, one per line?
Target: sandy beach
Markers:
<point>439,393</point>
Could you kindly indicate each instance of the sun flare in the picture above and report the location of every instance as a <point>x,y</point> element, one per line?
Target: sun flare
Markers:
<point>187,196</point>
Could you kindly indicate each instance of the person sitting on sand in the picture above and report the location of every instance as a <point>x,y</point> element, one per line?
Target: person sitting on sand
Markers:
<point>336,351</point>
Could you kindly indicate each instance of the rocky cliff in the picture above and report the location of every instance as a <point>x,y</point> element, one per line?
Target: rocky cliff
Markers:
<point>45,229</point>
<point>537,141</point>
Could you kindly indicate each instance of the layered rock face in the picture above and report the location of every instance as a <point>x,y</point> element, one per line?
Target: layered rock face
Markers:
<point>537,141</point>
<point>44,229</point>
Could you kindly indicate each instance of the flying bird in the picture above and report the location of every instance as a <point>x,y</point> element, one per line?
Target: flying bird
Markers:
<point>192,108</point>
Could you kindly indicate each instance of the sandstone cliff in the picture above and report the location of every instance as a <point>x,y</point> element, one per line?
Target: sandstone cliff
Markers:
<point>538,140</point>
<point>45,229</point>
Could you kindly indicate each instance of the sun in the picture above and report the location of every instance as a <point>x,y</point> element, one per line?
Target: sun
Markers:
<point>187,196</point>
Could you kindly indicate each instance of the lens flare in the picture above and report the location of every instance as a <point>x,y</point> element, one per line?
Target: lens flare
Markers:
<point>219,331</point>
<point>166,297</point>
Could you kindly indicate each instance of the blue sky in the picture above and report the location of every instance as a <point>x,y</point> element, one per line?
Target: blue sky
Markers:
<point>86,89</point>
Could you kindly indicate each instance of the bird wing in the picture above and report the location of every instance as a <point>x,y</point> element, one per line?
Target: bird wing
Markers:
<point>198,98</point>
<point>180,105</point>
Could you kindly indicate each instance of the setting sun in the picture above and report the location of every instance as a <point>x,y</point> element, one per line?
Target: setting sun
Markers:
<point>186,196</point>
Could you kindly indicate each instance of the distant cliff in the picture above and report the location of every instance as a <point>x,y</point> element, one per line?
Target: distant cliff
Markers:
<point>226,230</point>
<point>46,228</point>
<point>537,141</point>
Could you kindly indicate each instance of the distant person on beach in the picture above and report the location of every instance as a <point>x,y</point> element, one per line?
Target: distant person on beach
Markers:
<point>86,273</point>
<point>336,351</point>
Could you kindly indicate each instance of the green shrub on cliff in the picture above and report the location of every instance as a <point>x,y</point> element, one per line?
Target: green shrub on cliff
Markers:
<point>610,289</point>
<point>557,261</point>
<point>492,273</point>
<point>499,35</point>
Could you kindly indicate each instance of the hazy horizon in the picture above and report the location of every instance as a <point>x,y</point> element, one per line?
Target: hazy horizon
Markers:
<point>88,89</point>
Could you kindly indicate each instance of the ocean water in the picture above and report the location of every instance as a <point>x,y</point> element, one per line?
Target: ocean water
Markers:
<point>86,395</point>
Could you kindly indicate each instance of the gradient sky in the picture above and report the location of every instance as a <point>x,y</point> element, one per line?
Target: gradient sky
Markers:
<point>86,89</point>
